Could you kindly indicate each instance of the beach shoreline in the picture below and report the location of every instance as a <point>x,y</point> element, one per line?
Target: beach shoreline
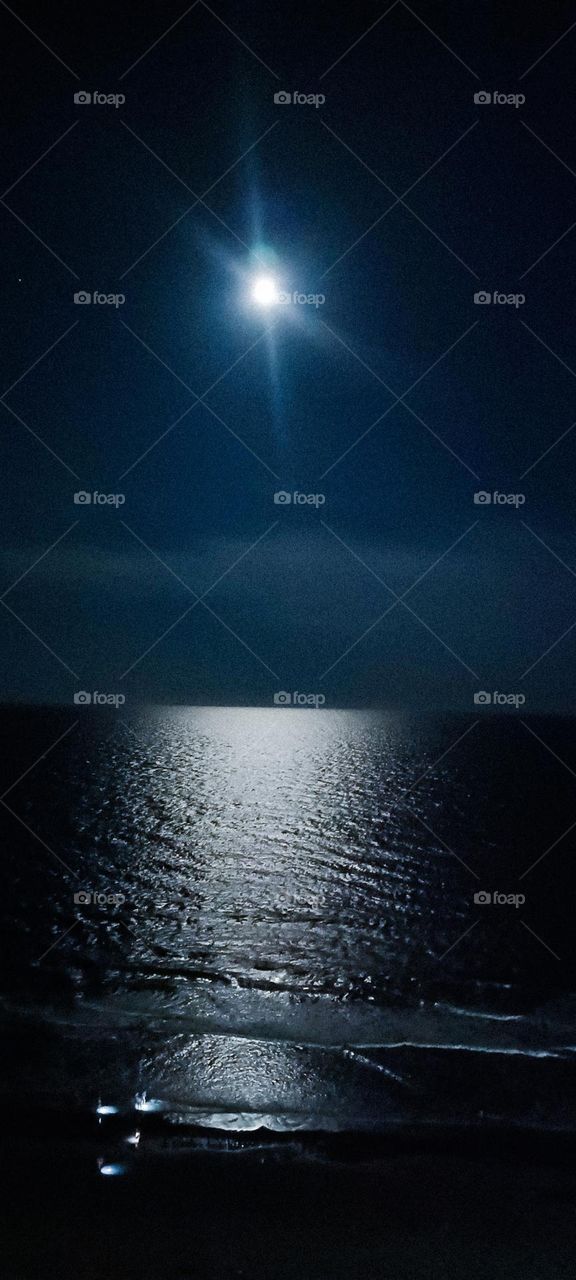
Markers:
<point>281,1211</point>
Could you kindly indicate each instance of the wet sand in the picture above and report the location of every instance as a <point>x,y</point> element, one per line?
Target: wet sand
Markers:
<point>278,1210</point>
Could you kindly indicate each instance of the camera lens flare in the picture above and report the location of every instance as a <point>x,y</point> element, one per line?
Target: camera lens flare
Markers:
<point>265,291</point>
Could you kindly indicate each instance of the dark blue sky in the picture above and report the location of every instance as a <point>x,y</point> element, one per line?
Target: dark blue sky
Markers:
<point>315,407</point>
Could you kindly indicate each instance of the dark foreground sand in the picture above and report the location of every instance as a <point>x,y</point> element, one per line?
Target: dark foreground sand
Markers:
<point>414,1213</point>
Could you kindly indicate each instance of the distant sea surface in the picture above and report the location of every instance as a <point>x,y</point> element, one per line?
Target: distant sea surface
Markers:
<point>266,917</point>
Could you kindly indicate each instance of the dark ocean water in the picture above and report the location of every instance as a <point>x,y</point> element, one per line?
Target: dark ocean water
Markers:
<point>267,917</point>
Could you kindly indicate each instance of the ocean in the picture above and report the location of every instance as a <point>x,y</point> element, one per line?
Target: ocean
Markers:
<point>239,919</point>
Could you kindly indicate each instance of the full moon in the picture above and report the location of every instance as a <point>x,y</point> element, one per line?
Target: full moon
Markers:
<point>265,291</point>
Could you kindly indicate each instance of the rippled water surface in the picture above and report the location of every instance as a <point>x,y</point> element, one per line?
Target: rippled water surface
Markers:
<point>285,920</point>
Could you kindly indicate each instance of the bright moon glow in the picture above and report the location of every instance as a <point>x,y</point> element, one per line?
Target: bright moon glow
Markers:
<point>265,291</point>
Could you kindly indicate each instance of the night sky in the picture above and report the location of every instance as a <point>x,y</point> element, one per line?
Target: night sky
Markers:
<point>178,199</point>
